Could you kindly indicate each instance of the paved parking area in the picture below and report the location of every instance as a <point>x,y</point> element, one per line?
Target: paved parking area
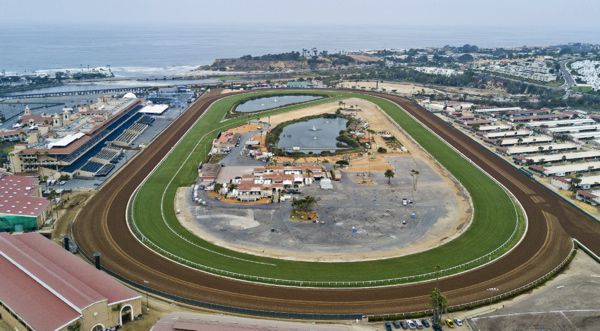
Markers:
<point>567,302</point>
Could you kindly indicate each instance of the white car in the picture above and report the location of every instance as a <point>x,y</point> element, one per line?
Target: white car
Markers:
<point>411,324</point>
<point>458,321</point>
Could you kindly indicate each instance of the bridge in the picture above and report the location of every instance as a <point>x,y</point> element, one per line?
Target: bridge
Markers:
<point>75,93</point>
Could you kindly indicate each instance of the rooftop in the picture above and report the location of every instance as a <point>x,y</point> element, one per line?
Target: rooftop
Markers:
<point>60,284</point>
<point>18,196</point>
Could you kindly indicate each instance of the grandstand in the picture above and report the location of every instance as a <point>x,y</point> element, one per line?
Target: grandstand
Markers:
<point>129,135</point>
<point>106,155</point>
<point>91,167</point>
<point>148,120</point>
<point>105,170</point>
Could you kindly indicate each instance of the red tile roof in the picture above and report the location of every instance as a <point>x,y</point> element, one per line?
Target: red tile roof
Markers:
<point>18,196</point>
<point>61,275</point>
<point>48,312</point>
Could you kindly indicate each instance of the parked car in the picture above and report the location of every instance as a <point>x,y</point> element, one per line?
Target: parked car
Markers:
<point>437,327</point>
<point>458,321</point>
<point>425,323</point>
<point>396,324</point>
<point>419,324</point>
<point>388,326</point>
<point>411,324</point>
<point>404,325</point>
<point>450,323</point>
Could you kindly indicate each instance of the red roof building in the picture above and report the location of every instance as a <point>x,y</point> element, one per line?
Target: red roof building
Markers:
<point>44,287</point>
<point>21,207</point>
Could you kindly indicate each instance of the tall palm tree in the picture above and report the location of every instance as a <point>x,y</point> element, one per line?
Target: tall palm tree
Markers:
<point>414,173</point>
<point>389,174</point>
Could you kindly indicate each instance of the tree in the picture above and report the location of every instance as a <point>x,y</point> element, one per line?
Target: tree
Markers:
<point>389,174</point>
<point>305,204</point>
<point>218,187</point>
<point>415,174</point>
<point>574,183</point>
<point>439,303</point>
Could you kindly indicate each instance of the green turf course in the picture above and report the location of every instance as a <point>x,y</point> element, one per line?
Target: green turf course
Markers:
<point>497,225</point>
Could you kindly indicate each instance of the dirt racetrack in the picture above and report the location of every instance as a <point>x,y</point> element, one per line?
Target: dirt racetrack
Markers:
<point>101,227</point>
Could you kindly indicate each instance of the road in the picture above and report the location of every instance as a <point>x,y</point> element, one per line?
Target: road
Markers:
<point>101,227</point>
<point>569,81</point>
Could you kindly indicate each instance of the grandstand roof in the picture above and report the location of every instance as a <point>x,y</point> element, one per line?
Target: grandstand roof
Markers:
<point>154,109</point>
<point>66,140</point>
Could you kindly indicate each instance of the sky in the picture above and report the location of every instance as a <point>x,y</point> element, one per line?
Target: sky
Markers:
<point>496,13</point>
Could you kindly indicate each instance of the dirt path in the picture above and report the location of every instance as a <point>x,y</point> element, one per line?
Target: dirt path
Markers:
<point>72,203</point>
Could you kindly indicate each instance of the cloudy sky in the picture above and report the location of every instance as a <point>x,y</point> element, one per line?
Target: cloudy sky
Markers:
<point>540,13</point>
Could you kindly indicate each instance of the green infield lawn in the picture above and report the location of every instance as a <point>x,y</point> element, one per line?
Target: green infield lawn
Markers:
<point>497,225</point>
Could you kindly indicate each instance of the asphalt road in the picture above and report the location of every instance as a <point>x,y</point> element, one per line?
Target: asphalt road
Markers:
<point>566,75</point>
<point>101,227</point>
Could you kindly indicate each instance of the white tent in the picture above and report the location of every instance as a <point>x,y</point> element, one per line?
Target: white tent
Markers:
<point>326,184</point>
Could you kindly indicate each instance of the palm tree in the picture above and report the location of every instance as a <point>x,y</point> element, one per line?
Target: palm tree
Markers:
<point>575,183</point>
<point>389,174</point>
<point>414,173</point>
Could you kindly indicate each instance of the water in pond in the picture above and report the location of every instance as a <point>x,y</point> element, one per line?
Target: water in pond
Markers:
<point>272,102</point>
<point>315,135</point>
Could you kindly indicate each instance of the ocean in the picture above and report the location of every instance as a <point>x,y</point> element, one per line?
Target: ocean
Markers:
<point>167,50</point>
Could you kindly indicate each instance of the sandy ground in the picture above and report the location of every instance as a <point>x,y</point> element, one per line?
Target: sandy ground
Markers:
<point>72,202</point>
<point>162,310</point>
<point>444,230</point>
<point>213,322</point>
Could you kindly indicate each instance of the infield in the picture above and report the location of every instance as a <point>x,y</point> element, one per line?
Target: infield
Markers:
<point>496,227</point>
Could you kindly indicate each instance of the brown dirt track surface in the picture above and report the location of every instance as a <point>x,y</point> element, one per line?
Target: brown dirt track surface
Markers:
<point>101,226</point>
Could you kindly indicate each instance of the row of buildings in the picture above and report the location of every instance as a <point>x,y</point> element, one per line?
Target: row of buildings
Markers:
<point>561,146</point>
<point>246,183</point>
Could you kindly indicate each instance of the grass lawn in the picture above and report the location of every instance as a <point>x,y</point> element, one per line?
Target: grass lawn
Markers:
<point>495,217</point>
